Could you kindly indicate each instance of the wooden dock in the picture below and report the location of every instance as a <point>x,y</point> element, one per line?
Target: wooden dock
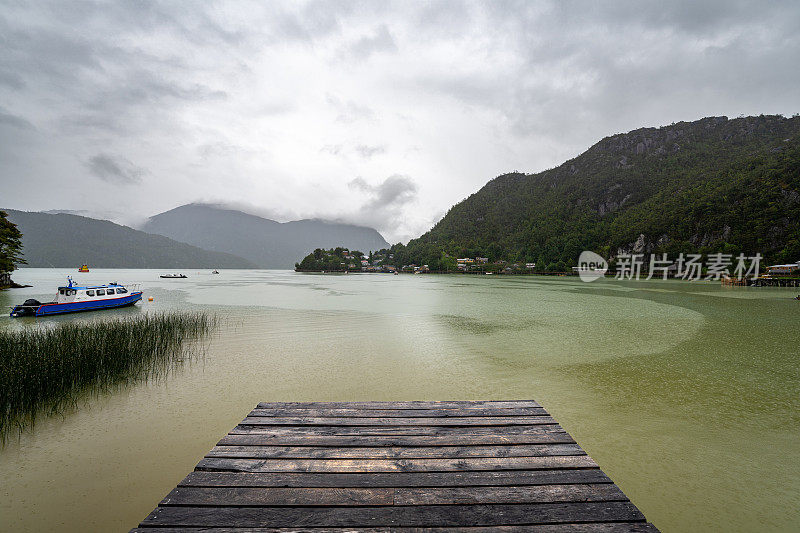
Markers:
<point>385,466</point>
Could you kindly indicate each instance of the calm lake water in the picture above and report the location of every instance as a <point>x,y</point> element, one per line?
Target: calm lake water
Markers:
<point>687,394</point>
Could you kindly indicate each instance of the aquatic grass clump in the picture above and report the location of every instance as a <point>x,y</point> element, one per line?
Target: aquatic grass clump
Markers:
<point>46,369</point>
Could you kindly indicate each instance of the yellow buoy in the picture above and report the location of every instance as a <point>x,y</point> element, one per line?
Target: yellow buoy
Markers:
<point>150,299</point>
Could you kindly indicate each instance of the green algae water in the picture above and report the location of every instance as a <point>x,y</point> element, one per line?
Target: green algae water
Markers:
<point>686,394</point>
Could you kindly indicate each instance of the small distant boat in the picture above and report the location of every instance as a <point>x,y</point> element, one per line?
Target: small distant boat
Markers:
<point>72,298</point>
<point>84,268</point>
<point>173,276</point>
<point>215,271</point>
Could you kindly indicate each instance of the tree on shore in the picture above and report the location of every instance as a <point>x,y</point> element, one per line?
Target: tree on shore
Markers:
<point>10,245</point>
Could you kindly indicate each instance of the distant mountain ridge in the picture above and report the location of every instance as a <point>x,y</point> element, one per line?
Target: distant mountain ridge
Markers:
<point>265,242</point>
<point>711,185</point>
<point>64,240</point>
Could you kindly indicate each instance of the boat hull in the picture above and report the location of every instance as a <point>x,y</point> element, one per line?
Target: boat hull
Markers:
<point>54,308</point>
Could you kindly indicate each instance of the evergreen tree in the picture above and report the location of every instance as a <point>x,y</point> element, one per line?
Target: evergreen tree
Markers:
<point>10,244</point>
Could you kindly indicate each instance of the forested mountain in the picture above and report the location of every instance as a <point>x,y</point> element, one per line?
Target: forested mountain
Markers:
<point>265,242</point>
<point>63,240</point>
<point>710,185</point>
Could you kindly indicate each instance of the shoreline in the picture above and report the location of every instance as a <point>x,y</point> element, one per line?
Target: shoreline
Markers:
<point>759,282</point>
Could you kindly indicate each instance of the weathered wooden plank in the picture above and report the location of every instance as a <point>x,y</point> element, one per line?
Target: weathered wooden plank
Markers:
<point>392,452</point>
<point>278,496</point>
<point>508,494</point>
<point>609,527</point>
<point>463,421</point>
<point>145,529</point>
<point>395,479</point>
<point>544,425</point>
<point>316,497</point>
<point>258,437</point>
<point>466,404</point>
<point>395,465</point>
<point>612,527</point>
<point>408,516</point>
<point>389,413</point>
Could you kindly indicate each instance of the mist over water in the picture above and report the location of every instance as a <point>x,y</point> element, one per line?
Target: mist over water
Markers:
<point>687,394</point>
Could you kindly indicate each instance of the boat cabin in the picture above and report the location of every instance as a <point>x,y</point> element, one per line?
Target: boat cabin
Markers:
<point>74,293</point>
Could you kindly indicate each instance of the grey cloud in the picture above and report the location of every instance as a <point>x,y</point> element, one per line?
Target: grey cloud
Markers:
<point>276,214</point>
<point>394,191</point>
<point>367,152</point>
<point>148,89</point>
<point>134,107</point>
<point>14,120</point>
<point>44,54</point>
<point>348,110</point>
<point>384,208</point>
<point>19,140</point>
<point>222,150</point>
<point>381,40</point>
<point>190,22</point>
<point>275,108</point>
<point>687,16</point>
<point>115,169</point>
<point>92,121</point>
<point>11,80</point>
<point>333,149</point>
<point>99,83</point>
<point>363,150</point>
<point>100,215</point>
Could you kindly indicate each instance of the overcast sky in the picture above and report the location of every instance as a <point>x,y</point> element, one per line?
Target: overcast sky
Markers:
<point>379,113</point>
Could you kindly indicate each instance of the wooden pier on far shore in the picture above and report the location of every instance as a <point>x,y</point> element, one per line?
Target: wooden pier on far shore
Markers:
<point>385,466</point>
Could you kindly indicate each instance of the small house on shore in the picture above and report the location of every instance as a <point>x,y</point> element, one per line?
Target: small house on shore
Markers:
<point>788,269</point>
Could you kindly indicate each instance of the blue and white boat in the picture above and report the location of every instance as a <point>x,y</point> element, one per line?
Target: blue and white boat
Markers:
<point>73,298</point>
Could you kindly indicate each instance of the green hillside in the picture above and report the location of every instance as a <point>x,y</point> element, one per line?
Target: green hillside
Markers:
<point>63,240</point>
<point>705,186</point>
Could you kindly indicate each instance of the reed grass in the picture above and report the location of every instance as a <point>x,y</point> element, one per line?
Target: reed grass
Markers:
<point>44,370</point>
